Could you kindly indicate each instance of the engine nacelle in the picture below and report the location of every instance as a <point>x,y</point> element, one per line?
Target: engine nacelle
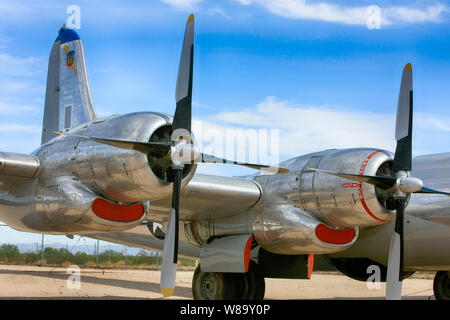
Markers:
<point>341,202</point>
<point>284,229</point>
<point>70,208</point>
<point>117,174</point>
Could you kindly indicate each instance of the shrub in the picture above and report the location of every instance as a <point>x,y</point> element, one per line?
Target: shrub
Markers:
<point>9,253</point>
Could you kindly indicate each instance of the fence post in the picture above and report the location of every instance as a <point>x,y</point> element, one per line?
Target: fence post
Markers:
<point>96,254</point>
<point>42,251</point>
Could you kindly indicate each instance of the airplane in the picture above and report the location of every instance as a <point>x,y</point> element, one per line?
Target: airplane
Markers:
<point>131,179</point>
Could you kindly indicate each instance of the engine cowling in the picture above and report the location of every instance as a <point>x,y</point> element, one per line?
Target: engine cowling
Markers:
<point>341,202</point>
<point>117,174</point>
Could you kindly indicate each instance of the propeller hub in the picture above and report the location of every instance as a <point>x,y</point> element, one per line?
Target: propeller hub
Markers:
<point>409,184</point>
<point>184,153</point>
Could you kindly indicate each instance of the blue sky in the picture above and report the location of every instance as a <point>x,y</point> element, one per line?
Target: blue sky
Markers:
<point>312,70</point>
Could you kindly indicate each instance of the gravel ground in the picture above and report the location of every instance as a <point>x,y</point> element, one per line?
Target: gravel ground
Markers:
<point>32,282</point>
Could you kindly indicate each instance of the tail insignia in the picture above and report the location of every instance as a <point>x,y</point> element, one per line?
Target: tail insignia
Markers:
<point>70,59</point>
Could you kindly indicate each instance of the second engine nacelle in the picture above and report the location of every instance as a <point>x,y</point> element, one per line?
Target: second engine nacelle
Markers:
<point>337,201</point>
<point>345,203</point>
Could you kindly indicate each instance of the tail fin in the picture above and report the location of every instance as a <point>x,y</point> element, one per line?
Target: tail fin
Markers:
<point>68,101</point>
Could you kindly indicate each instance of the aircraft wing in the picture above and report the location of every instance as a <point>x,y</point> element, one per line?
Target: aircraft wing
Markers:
<point>206,197</point>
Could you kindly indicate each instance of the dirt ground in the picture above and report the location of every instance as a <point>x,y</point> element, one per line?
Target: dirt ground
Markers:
<point>32,282</point>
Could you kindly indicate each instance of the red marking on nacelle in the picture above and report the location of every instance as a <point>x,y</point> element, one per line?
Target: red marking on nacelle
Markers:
<point>333,236</point>
<point>116,212</point>
<point>247,251</point>
<point>349,185</point>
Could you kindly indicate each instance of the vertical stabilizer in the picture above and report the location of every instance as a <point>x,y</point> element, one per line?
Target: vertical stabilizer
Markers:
<point>68,101</point>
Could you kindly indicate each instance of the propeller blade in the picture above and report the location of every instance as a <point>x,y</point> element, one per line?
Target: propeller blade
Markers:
<point>206,158</point>
<point>154,148</point>
<point>155,230</point>
<point>396,252</point>
<point>170,249</point>
<point>183,92</point>
<point>384,182</point>
<point>401,166</point>
<point>181,120</point>
<point>168,267</point>
<point>403,126</point>
<point>431,191</point>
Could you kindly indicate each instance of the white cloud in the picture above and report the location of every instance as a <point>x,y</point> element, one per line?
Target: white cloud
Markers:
<point>12,87</point>
<point>357,15</point>
<point>305,129</point>
<point>8,109</point>
<point>431,13</point>
<point>431,123</point>
<point>15,127</point>
<point>18,66</point>
<point>182,4</point>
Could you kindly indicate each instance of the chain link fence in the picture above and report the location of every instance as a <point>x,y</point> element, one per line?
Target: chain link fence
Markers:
<point>107,258</point>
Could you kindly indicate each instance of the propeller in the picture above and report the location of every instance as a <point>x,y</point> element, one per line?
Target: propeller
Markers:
<point>400,186</point>
<point>181,129</point>
<point>180,151</point>
<point>402,166</point>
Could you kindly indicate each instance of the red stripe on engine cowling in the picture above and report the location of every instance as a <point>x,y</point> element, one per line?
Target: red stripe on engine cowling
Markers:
<point>333,236</point>
<point>360,190</point>
<point>117,213</point>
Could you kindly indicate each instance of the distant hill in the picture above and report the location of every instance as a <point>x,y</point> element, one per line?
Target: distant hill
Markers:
<point>81,246</point>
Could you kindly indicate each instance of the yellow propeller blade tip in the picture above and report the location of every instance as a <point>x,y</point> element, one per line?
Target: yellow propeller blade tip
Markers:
<point>167,292</point>
<point>407,67</point>
<point>191,18</point>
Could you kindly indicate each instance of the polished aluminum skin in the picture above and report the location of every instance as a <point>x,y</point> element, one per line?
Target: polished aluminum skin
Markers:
<point>284,229</point>
<point>211,198</point>
<point>73,173</point>
<point>434,171</point>
<point>226,254</point>
<point>19,165</point>
<point>331,199</point>
<point>117,174</point>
